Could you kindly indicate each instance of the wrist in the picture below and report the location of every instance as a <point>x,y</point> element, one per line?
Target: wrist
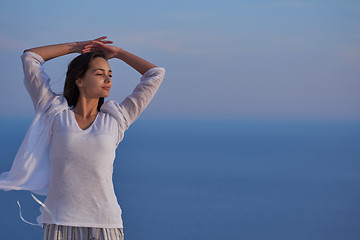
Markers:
<point>75,47</point>
<point>120,53</point>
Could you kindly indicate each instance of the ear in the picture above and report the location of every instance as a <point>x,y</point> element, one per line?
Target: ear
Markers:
<point>79,83</point>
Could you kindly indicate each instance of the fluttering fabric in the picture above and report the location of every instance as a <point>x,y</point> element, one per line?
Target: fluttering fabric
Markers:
<point>31,167</point>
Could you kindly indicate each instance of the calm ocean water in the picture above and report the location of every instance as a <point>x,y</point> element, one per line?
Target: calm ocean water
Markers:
<point>213,179</point>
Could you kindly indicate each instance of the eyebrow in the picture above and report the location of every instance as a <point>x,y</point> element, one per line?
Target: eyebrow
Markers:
<point>101,70</point>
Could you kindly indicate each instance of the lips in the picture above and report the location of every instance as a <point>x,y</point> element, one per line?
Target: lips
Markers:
<point>106,88</point>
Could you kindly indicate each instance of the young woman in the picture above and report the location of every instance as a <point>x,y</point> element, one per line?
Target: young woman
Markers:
<point>69,150</point>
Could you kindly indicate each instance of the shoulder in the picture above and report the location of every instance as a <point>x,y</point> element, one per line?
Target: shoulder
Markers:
<point>117,111</point>
<point>112,107</point>
<point>56,105</point>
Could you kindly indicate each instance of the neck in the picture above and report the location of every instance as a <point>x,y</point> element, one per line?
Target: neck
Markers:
<point>86,107</point>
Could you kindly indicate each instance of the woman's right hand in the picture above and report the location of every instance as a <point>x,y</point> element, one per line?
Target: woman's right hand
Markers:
<point>80,46</point>
<point>110,51</point>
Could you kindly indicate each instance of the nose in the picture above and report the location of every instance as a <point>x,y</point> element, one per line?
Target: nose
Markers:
<point>108,79</point>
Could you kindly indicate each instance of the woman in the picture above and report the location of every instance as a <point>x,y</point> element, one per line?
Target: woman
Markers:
<point>69,150</point>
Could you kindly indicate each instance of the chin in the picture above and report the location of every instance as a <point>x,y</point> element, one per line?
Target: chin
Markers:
<point>104,95</point>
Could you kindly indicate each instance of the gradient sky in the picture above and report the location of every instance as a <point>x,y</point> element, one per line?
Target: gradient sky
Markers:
<point>224,59</point>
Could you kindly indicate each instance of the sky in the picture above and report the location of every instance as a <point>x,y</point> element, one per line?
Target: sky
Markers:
<point>294,59</point>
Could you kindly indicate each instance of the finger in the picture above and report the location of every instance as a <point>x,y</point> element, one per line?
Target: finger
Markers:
<point>103,41</point>
<point>98,44</point>
<point>89,45</point>
<point>101,38</point>
<point>88,50</point>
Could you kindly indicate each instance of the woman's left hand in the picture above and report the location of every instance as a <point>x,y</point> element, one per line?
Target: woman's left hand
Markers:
<point>110,50</point>
<point>79,47</point>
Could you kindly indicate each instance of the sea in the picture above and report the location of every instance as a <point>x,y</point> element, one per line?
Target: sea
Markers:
<point>227,179</point>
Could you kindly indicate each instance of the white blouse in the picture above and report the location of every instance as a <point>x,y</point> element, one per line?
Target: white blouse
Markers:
<point>74,167</point>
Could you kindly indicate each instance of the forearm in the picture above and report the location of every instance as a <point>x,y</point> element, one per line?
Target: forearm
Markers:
<point>53,51</point>
<point>138,63</point>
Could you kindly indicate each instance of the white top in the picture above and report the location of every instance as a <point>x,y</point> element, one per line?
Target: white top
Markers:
<point>79,186</point>
<point>81,191</point>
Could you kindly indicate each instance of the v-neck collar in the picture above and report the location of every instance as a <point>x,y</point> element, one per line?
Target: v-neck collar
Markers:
<point>77,124</point>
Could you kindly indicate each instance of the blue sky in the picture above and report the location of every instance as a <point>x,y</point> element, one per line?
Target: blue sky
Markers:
<point>224,59</point>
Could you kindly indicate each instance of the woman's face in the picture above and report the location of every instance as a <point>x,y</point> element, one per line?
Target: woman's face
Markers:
<point>97,80</point>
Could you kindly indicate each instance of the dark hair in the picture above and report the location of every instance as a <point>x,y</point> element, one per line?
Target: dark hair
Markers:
<point>77,69</point>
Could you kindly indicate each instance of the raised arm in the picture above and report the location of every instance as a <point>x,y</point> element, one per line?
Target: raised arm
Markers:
<point>139,64</point>
<point>36,80</point>
<point>152,77</point>
<point>57,50</point>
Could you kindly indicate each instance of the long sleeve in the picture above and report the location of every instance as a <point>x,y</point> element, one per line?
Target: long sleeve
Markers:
<point>37,81</point>
<point>133,105</point>
<point>31,167</point>
<point>144,92</point>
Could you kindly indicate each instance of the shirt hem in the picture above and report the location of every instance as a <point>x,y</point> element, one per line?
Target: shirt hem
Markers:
<point>92,225</point>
